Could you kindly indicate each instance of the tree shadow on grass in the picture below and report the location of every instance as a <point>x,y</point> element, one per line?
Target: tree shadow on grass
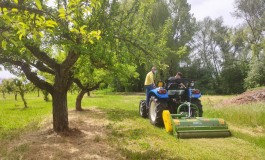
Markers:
<point>22,108</point>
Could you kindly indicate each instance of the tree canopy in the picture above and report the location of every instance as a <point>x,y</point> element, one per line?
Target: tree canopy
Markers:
<point>78,40</point>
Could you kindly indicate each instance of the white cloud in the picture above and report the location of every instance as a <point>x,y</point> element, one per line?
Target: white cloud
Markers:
<point>214,9</point>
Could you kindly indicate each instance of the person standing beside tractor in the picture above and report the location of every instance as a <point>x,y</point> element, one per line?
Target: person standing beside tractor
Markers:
<point>149,83</point>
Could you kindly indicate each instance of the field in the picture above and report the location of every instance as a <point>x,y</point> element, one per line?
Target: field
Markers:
<point>111,128</point>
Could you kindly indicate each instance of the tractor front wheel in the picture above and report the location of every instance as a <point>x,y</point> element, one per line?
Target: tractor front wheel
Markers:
<point>156,110</point>
<point>143,109</point>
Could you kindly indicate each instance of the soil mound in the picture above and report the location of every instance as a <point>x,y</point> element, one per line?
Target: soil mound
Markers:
<point>249,96</point>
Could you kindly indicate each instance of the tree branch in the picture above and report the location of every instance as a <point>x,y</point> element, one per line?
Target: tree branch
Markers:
<point>134,44</point>
<point>32,76</point>
<point>41,67</point>
<point>42,56</point>
<point>69,61</point>
<point>86,88</point>
<point>94,87</point>
<point>9,5</point>
<point>78,83</point>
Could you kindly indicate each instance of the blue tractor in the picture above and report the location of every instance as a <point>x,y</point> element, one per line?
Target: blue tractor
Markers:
<point>176,106</point>
<point>172,96</point>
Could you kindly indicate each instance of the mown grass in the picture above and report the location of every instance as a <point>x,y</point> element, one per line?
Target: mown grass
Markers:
<point>137,139</point>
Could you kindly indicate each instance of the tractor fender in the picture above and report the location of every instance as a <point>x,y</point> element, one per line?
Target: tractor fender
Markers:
<point>194,95</point>
<point>158,95</point>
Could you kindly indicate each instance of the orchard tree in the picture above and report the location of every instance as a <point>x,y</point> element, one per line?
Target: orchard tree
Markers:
<point>8,87</point>
<point>30,33</point>
<point>21,87</point>
<point>36,38</point>
<point>17,86</point>
<point>3,90</point>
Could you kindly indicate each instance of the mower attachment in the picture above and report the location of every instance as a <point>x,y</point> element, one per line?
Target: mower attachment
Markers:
<point>182,126</point>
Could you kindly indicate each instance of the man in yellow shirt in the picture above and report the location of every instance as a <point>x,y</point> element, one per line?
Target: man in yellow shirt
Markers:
<point>149,83</point>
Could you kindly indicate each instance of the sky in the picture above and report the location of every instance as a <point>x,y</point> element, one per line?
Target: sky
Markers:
<point>200,9</point>
<point>215,9</point>
<point>5,74</point>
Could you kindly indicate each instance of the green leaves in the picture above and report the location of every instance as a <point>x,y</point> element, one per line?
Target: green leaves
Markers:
<point>4,43</point>
<point>182,51</point>
<point>22,29</point>
<point>94,35</point>
<point>62,13</point>
<point>51,23</point>
<point>38,4</point>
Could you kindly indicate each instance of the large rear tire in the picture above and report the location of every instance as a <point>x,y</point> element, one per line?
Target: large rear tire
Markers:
<point>143,109</point>
<point>156,110</point>
<point>198,103</point>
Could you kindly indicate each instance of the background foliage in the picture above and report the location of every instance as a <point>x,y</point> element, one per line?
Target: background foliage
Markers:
<point>136,35</point>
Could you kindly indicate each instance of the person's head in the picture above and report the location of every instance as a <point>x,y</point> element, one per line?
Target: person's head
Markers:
<point>179,75</point>
<point>154,70</point>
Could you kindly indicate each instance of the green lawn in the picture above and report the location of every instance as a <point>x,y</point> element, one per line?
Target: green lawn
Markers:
<point>136,138</point>
<point>15,118</point>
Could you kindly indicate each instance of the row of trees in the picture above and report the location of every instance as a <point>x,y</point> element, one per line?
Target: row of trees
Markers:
<point>102,43</point>
<point>20,86</point>
<point>14,86</point>
<point>230,60</point>
<point>223,59</point>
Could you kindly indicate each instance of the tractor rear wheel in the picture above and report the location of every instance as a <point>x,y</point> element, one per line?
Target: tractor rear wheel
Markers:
<point>198,103</point>
<point>156,110</point>
<point>143,109</point>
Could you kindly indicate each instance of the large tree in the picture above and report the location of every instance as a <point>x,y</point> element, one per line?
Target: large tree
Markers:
<point>31,32</point>
<point>40,38</point>
<point>253,13</point>
<point>182,28</point>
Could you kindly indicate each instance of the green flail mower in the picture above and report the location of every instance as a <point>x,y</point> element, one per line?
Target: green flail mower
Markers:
<point>183,126</point>
<point>179,110</point>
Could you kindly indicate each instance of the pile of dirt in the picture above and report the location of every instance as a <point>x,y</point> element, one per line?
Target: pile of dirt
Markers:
<point>249,97</point>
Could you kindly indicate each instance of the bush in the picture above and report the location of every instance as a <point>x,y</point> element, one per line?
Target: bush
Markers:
<point>256,75</point>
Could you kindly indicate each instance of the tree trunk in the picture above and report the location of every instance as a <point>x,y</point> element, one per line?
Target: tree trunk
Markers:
<point>22,95</point>
<point>60,111</point>
<point>4,96</point>
<point>88,94</point>
<point>15,96</point>
<point>45,94</point>
<point>23,99</point>
<point>78,101</point>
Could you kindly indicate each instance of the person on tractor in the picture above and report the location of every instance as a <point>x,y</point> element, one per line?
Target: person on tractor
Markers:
<point>177,76</point>
<point>149,83</point>
<point>195,101</point>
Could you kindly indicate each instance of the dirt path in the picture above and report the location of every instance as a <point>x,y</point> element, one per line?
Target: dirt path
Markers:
<point>86,140</point>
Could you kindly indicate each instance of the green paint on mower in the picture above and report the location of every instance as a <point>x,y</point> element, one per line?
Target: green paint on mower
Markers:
<point>183,126</point>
